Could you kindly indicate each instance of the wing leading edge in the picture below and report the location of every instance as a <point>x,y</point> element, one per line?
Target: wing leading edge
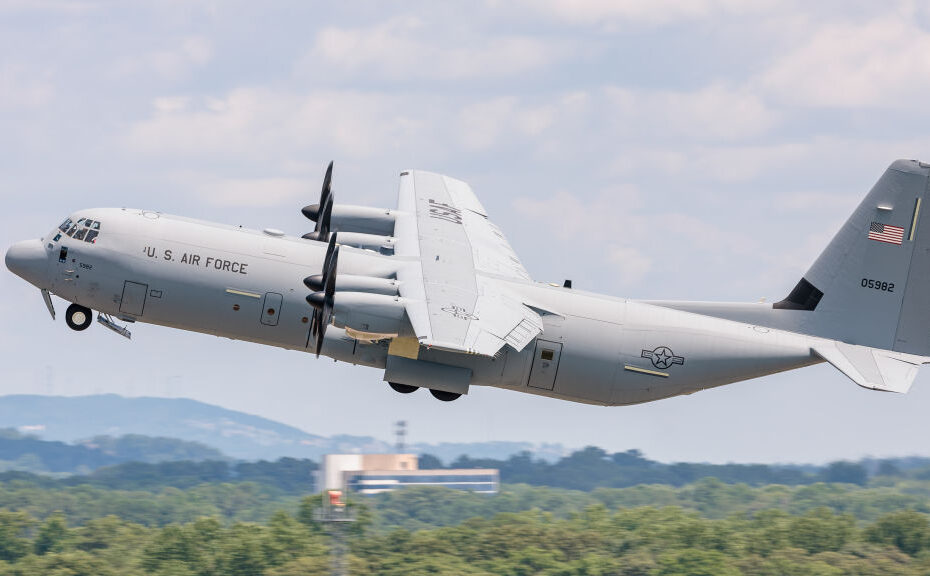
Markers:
<point>454,289</point>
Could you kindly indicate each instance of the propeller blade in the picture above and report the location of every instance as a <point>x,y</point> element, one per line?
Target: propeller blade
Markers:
<point>325,300</point>
<point>321,231</point>
<point>320,334</point>
<point>312,211</point>
<point>315,322</point>
<point>325,318</point>
<point>327,191</point>
<point>330,250</point>
<point>330,287</point>
<point>323,224</point>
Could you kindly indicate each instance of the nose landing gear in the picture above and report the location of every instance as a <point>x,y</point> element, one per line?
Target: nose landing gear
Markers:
<point>78,317</point>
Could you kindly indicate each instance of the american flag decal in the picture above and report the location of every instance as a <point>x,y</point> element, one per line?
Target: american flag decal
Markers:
<point>886,233</point>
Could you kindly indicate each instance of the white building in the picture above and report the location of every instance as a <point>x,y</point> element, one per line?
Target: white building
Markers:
<point>374,473</point>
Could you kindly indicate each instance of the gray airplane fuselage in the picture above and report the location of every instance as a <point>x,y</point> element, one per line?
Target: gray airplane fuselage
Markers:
<point>248,285</point>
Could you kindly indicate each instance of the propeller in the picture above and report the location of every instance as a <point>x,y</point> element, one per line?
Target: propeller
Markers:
<point>321,213</point>
<point>324,291</point>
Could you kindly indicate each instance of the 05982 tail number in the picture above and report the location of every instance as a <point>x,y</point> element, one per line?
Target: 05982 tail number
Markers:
<point>877,285</point>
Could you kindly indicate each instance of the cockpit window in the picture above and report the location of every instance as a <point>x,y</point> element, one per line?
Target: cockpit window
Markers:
<point>84,229</point>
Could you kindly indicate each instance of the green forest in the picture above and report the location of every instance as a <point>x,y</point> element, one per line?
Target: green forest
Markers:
<point>262,526</point>
<point>136,505</point>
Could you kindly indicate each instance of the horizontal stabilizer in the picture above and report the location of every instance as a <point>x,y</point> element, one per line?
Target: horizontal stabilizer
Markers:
<point>872,368</point>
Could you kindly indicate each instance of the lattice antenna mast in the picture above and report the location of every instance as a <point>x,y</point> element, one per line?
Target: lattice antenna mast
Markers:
<point>400,432</point>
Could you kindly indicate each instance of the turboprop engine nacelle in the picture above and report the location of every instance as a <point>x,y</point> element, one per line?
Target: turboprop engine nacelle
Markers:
<point>363,219</point>
<point>369,313</point>
<point>367,241</point>
<point>353,283</point>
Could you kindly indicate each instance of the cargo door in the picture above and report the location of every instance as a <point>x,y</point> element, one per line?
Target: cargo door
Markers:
<point>133,302</point>
<point>545,364</point>
<point>271,308</point>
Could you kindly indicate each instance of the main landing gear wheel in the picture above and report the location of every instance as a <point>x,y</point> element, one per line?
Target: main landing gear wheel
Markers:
<point>403,388</point>
<point>443,395</point>
<point>78,317</point>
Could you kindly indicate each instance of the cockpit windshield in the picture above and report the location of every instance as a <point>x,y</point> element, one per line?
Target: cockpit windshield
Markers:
<point>84,229</point>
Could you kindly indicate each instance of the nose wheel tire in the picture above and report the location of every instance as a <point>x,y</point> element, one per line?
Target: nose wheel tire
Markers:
<point>403,388</point>
<point>443,395</point>
<point>78,317</point>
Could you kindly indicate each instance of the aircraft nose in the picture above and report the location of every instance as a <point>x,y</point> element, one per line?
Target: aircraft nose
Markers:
<point>28,260</point>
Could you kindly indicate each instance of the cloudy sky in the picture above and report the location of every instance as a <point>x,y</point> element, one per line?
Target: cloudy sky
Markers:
<point>699,149</point>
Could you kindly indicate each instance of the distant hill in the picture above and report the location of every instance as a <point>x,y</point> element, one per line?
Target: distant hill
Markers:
<point>81,419</point>
<point>78,418</point>
<point>28,453</point>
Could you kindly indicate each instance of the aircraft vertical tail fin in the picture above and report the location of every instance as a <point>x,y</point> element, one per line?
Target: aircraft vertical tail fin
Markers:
<point>871,286</point>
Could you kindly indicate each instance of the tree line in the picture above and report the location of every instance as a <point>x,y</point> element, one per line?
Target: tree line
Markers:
<point>594,467</point>
<point>595,540</point>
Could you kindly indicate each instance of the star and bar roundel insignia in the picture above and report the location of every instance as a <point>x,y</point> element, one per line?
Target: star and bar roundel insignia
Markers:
<point>662,357</point>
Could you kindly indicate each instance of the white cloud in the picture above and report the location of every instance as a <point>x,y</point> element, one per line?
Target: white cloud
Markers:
<point>591,221</point>
<point>179,58</point>
<point>594,225</point>
<point>404,48</point>
<point>880,62</point>
<point>605,12</point>
<point>24,88</point>
<point>171,103</point>
<point>485,124</point>
<point>47,6</point>
<point>615,225</point>
<point>632,265</point>
<point>714,112</point>
<point>727,163</point>
<point>815,200</point>
<point>264,124</point>
<point>254,191</point>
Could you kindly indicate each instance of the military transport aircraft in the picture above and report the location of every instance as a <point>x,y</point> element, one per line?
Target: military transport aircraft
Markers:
<point>433,294</point>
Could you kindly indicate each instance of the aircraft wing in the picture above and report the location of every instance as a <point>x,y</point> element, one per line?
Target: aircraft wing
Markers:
<point>453,287</point>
